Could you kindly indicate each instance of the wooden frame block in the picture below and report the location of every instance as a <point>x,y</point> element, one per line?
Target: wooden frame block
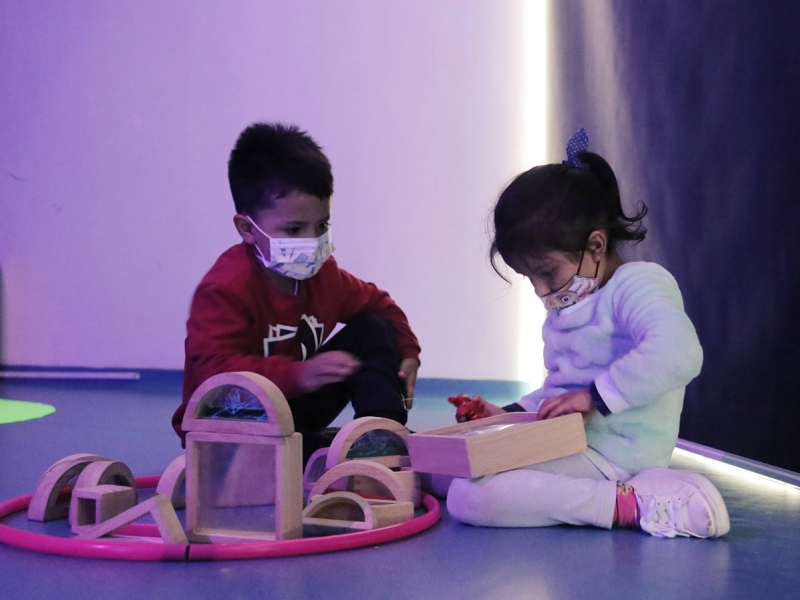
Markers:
<point>173,481</point>
<point>346,510</point>
<point>93,505</point>
<point>279,421</point>
<point>496,444</point>
<point>395,483</point>
<point>227,473</point>
<point>159,506</point>
<point>351,432</point>
<point>47,502</point>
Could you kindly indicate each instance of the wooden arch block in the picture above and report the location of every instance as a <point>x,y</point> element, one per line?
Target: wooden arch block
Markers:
<point>315,467</point>
<point>270,401</point>
<point>350,433</point>
<point>173,482</point>
<point>101,472</point>
<point>402,487</point>
<point>159,507</point>
<point>105,472</point>
<point>45,504</point>
<point>346,510</point>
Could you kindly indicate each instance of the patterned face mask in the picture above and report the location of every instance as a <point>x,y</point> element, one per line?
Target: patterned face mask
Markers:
<point>297,258</point>
<point>572,292</point>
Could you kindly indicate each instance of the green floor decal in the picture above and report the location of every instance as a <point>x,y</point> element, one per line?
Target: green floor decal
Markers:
<point>14,411</point>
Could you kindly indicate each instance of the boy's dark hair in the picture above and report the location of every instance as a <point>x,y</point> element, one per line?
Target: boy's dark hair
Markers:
<point>271,160</point>
<point>556,207</point>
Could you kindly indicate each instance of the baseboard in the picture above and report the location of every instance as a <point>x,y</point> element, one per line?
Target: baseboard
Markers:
<point>425,385</point>
<point>742,462</point>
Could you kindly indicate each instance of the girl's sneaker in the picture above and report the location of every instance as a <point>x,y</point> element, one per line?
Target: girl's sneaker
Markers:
<point>679,503</point>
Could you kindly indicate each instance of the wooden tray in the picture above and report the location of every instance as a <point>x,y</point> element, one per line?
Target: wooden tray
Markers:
<point>495,444</point>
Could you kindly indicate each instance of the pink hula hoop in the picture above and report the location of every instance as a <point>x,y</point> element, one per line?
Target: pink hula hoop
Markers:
<point>117,549</point>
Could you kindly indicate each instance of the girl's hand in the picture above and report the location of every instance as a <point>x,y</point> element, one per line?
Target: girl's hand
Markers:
<point>580,401</point>
<point>408,372</point>
<point>470,409</point>
<point>325,368</point>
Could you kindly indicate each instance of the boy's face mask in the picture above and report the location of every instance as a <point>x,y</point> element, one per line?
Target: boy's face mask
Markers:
<point>297,258</point>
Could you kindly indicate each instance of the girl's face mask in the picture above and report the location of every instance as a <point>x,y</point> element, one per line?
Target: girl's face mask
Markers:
<point>297,258</point>
<point>572,292</point>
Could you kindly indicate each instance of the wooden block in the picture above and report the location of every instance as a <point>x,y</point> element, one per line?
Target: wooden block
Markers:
<point>200,414</point>
<point>47,502</point>
<point>412,482</point>
<point>390,512</point>
<point>173,482</point>
<point>349,511</point>
<point>350,434</point>
<point>159,507</point>
<point>106,472</point>
<point>389,482</point>
<point>496,444</point>
<point>92,505</point>
<point>243,487</point>
<point>315,467</point>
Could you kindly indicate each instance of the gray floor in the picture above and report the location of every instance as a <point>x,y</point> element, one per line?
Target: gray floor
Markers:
<point>129,422</point>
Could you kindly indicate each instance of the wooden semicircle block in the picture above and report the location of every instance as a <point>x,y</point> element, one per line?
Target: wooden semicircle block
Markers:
<point>350,433</point>
<point>44,505</point>
<point>340,510</point>
<point>173,482</point>
<point>279,421</point>
<point>367,469</point>
<point>315,468</point>
<point>106,472</point>
<point>101,472</point>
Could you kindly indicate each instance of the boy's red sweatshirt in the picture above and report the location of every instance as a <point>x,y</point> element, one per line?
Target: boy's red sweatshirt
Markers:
<point>240,322</point>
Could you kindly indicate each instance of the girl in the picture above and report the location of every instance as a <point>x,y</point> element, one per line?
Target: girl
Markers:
<point>618,348</point>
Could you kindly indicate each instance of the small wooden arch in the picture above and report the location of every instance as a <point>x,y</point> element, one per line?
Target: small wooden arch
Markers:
<point>369,470</point>
<point>339,509</point>
<point>173,482</point>
<point>349,434</point>
<point>45,505</point>
<point>315,468</point>
<point>277,418</point>
<point>106,472</point>
<point>346,510</point>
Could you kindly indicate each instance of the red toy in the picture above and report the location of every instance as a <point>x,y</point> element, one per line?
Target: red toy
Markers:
<point>469,409</point>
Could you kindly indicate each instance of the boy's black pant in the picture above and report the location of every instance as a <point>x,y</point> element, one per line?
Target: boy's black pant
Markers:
<point>375,390</point>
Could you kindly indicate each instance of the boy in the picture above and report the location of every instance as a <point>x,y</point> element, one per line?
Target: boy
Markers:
<point>269,304</point>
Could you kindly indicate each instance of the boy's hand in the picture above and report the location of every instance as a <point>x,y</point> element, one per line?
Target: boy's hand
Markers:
<point>580,401</point>
<point>408,372</point>
<point>325,368</point>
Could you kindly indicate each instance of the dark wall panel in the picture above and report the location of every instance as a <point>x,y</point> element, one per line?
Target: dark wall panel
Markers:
<point>697,107</point>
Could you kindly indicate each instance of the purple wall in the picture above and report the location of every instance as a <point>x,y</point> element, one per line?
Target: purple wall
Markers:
<point>116,119</point>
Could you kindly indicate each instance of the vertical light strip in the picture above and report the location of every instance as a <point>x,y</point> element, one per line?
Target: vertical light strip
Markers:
<point>530,367</point>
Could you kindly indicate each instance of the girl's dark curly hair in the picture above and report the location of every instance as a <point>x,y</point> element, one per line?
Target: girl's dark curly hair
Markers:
<point>556,207</point>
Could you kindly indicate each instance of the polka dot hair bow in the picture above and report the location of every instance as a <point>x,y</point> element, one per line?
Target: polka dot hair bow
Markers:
<point>577,143</point>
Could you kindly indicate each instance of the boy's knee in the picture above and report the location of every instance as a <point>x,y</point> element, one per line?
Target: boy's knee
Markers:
<point>372,324</point>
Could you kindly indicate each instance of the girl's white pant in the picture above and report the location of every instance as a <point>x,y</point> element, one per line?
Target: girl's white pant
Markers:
<point>576,490</point>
